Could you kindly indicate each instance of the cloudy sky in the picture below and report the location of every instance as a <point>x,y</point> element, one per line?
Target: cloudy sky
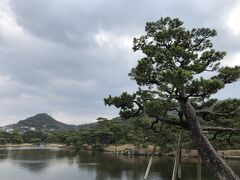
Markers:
<point>63,57</point>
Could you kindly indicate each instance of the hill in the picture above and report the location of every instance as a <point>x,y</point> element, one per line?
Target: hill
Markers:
<point>40,122</point>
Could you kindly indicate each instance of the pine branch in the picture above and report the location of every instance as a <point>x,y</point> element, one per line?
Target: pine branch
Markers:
<point>222,129</point>
<point>170,121</point>
<point>206,111</point>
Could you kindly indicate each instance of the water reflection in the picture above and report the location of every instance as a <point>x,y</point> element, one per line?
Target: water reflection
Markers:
<point>35,159</point>
<point>128,167</point>
<point>62,164</point>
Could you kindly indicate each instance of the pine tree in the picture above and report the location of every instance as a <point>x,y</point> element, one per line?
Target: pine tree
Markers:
<point>171,78</point>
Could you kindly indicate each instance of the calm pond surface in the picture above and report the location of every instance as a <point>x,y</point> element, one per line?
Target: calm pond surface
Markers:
<point>61,164</point>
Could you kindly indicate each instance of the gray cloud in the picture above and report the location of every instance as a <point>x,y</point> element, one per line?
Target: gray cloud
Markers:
<point>63,57</point>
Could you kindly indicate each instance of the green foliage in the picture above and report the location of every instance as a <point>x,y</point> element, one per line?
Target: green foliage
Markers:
<point>229,74</point>
<point>3,141</point>
<point>29,135</point>
<point>155,108</point>
<point>70,140</point>
<point>172,56</point>
<point>125,101</point>
<point>52,138</point>
<point>17,139</point>
<point>35,140</point>
<point>177,76</point>
<point>227,106</point>
<point>136,131</point>
<point>202,87</point>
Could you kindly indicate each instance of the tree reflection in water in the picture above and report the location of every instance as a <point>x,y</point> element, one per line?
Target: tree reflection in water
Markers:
<point>63,164</point>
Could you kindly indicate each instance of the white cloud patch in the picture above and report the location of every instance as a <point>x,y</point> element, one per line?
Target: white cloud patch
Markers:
<point>233,20</point>
<point>8,26</point>
<point>110,40</point>
<point>69,118</point>
<point>232,60</point>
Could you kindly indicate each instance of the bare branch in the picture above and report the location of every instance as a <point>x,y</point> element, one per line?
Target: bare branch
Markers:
<point>170,121</point>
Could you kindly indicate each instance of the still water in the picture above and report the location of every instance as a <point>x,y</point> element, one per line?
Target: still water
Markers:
<point>41,163</point>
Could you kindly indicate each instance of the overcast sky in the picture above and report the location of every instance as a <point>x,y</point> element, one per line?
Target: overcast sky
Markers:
<point>63,57</point>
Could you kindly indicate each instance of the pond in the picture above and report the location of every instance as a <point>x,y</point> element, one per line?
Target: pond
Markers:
<point>40,163</point>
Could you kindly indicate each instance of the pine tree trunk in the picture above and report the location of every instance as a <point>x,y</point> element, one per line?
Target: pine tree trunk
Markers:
<point>208,154</point>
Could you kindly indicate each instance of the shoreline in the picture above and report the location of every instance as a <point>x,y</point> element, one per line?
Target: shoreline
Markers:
<point>130,149</point>
<point>34,145</point>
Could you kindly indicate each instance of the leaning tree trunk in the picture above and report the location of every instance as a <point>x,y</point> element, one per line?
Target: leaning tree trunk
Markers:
<point>208,154</point>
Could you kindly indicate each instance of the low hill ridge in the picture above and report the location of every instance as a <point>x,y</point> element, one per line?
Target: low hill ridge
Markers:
<point>40,122</point>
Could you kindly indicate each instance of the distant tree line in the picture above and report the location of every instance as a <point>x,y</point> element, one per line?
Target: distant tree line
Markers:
<point>136,131</point>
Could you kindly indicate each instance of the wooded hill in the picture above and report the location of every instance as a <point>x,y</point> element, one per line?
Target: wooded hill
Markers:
<point>41,122</point>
